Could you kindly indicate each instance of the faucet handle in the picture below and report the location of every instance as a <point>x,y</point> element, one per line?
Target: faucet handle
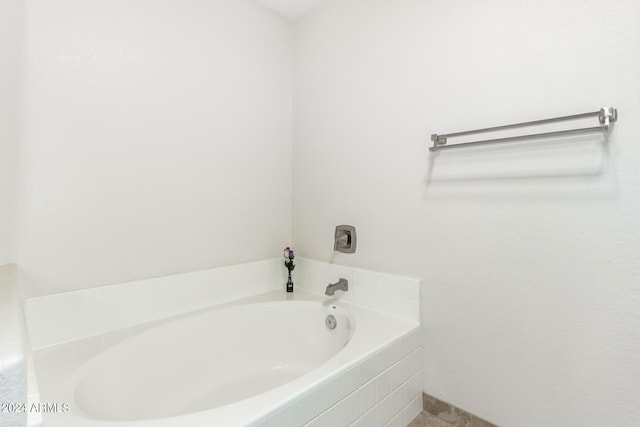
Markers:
<point>345,239</point>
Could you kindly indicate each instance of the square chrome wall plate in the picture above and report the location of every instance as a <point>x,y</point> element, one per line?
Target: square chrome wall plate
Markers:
<point>345,239</point>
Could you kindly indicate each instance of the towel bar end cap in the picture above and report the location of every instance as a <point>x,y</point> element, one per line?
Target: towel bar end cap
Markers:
<point>610,113</point>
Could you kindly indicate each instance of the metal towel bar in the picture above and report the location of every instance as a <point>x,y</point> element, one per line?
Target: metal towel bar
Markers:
<point>605,116</point>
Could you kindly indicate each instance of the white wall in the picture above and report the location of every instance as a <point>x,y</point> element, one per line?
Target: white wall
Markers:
<point>157,139</point>
<point>11,34</point>
<point>528,254</point>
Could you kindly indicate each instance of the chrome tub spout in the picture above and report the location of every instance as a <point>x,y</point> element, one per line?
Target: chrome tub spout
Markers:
<point>342,284</point>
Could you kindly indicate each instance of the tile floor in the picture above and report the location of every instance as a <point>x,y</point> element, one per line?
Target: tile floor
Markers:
<point>425,419</point>
<point>438,413</point>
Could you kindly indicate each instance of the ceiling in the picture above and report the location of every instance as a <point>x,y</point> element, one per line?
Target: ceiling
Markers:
<point>292,9</point>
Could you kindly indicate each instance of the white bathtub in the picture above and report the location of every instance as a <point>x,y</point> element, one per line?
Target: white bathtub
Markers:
<point>272,362</point>
<point>209,360</point>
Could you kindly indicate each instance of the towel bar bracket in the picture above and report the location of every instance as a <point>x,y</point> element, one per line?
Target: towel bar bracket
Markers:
<point>607,114</point>
<point>438,140</point>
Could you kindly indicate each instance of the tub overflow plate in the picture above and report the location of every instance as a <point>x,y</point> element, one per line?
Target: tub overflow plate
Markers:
<point>331,321</point>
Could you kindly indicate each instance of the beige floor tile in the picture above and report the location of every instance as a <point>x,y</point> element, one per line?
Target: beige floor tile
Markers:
<point>425,419</point>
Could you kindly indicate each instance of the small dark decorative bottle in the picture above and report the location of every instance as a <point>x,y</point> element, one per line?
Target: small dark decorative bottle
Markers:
<point>289,284</point>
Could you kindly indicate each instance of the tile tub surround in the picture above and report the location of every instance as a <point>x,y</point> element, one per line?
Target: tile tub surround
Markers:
<point>382,388</point>
<point>392,294</point>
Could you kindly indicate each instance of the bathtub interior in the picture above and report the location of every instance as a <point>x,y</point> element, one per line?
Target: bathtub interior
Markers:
<point>209,360</point>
